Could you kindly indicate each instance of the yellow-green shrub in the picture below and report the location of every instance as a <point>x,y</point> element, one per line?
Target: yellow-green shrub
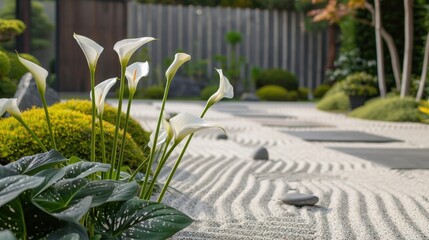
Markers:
<point>272,93</point>
<point>72,131</point>
<point>140,136</point>
<point>4,65</point>
<point>334,102</point>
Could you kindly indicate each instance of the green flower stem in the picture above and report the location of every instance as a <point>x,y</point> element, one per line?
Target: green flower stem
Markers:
<point>92,72</point>
<point>140,167</point>
<point>121,152</point>
<point>48,120</point>
<point>176,165</point>
<point>103,144</point>
<point>158,126</point>
<point>118,119</point>
<point>32,133</point>
<point>158,171</point>
<point>159,164</point>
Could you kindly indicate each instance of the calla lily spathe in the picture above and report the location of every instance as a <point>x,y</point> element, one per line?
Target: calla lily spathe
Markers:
<point>100,92</point>
<point>184,124</point>
<point>39,74</point>
<point>126,47</point>
<point>179,60</point>
<point>225,89</point>
<point>90,48</point>
<point>9,105</point>
<point>134,73</point>
<point>162,138</point>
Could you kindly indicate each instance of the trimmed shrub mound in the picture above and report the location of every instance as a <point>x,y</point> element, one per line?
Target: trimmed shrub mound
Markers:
<point>338,102</point>
<point>394,109</point>
<point>208,91</point>
<point>154,92</point>
<point>72,131</point>
<point>140,136</point>
<point>303,93</point>
<point>4,65</point>
<point>321,90</point>
<point>277,77</point>
<point>272,93</point>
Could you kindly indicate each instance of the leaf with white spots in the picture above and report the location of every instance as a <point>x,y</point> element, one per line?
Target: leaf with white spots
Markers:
<point>7,235</point>
<point>69,231</point>
<point>6,172</point>
<point>51,175</point>
<point>12,186</point>
<point>33,164</point>
<point>75,212</point>
<point>124,192</point>
<point>83,169</point>
<point>139,219</point>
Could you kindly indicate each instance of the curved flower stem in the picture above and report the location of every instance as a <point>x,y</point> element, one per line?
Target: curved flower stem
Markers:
<point>92,72</point>
<point>48,120</point>
<point>32,133</point>
<point>158,170</point>
<point>179,159</point>
<point>124,134</point>
<point>140,167</point>
<point>158,126</point>
<point>103,143</point>
<point>118,119</point>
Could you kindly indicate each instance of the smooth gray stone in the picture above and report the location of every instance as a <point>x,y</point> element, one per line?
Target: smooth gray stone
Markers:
<point>261,154</point>
<point>222,136</point>
<point>300,199</point>
<point>28,96</point>
<point>247,96</point>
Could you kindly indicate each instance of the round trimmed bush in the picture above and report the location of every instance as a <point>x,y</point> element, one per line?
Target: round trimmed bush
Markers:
<point>17,70</point>
<point>394,109</point>
<point>208,91</point>
<point>303,93</point>
<point>338,102</point>
<point>139,135</point>
<point>292,96</point>
<point>72,132</point>
<point>277,77</point>
<point>360,84</point>
<point>7,88</point>
<point>321,90</point>
<point>4,65</point>
<point>154,92</point>
<point>272,93</point>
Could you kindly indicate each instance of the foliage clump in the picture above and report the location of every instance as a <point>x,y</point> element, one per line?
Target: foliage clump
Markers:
<point>139,135</point>
<point>72,131</point>
<point>272,93</point>
<point>208,91</point>
<point>395,109</point>
<point>153,92</point>
<point>9,28</point>
<point>277,77</point>
<point>320,90</point>
<point>360,84</point>
<point>337,101</point>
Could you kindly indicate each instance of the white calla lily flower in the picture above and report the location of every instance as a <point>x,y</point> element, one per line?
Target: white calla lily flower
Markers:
<point>179,60</point>
<point>100,92</point>
<point>9,105</point>
<point>162,138</point>
<point>184,124</point>
<point>167,126</point>
<point>39,74</point>
<point>125,48</point>
<point>90,48</point>
<point>134,73</point>
<point>225,89</point>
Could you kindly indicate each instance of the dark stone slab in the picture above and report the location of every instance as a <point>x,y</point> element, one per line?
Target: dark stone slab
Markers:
<point>261,115</point>
<point>340,136</point>
<point>28,96</point>
<point>403,158</point>
<point>300,199</point>
<point>296,124</point>
<point>261,154</point>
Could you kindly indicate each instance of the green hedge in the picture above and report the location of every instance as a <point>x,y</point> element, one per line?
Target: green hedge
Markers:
<point>393,109</point>
<point>272,93</point>
<point>153,92</point>
<point>72,131</point>
<point>208,91</point>
<point>338,102</point>
<point>277,77</point>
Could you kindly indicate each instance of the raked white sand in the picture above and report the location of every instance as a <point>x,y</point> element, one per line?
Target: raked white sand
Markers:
<point>231,196</point>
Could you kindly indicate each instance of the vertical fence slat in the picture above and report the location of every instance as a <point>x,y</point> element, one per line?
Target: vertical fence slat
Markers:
<point>285,39</point>
<point>276,39</point>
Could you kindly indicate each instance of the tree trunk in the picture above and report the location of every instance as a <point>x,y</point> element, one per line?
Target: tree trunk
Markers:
<point>332,46</point>
<point>424,71</point>
<point>408,51</point>
<point>379,46</point>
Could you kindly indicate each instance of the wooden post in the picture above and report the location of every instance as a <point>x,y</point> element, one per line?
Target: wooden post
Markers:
<point>23,13</point>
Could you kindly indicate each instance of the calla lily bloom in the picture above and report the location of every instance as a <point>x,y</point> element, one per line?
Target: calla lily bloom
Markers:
<point>126,47</point>
<point>179,60</point>
<point>225,89</point>
<point>39,74</point>
<point>90,48</point>
<point>134,73</point>
<point>100,92</point>
<point>162,138</point>
<point>184,124</point>
<point>9,105</point>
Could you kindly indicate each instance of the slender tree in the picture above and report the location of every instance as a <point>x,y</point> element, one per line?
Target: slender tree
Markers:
<point>408,51</point>
<point>424,71</point>
<point>379,47</point>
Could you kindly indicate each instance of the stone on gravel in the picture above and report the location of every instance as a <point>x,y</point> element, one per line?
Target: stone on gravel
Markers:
<point>247,96</point>
<point>300,199</point>
<point>261,154</point>
<point>222,136</point>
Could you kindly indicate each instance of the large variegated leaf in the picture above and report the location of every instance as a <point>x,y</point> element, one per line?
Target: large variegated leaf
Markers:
<point>32,164</point>
<point>51,176</point>
<point>139,219</point>
<point>7,235</point>
<point>12,186</point>
<point>74,212</point>
<point>69,231</point>
<point>6,172</point>
<point>83,169</point>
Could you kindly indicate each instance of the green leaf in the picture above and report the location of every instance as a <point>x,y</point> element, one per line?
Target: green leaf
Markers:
<point>6,172</point>
<point>7,235</point>
<point>69,231</point>
<point>32,164</point>
<point>83,169</point>
<point>11,187</point>
<point>139,219</point>
<point>124,192</point>
<point>76,211</point>
<point>51,176</point>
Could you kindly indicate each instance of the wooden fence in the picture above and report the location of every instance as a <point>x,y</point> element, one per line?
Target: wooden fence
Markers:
<point>270,39</point>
